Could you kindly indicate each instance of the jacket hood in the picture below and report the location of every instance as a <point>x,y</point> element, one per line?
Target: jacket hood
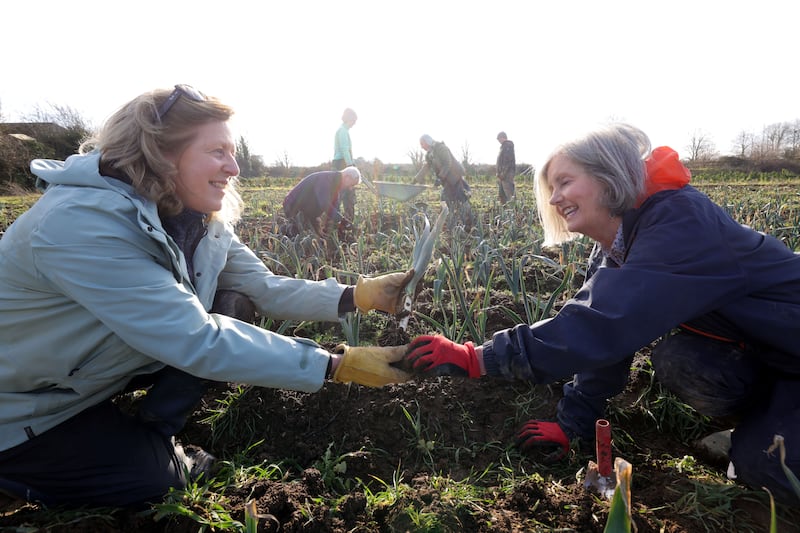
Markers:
<point>79,169</point>
<point>665,172</point>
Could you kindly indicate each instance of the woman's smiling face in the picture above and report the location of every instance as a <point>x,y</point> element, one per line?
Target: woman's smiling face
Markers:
<point>205,167</point>
<point>578,197</point>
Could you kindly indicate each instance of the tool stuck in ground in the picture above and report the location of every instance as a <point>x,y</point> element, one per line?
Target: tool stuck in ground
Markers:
<point>612,484</point>
<point>423,252</point>
<point>599,475</point>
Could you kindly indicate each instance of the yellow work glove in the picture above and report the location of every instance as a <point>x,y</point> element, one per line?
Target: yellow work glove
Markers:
<point>384,293</point>
<point>369,365</point>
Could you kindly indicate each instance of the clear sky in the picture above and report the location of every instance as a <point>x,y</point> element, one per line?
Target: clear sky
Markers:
<point>460,71</point>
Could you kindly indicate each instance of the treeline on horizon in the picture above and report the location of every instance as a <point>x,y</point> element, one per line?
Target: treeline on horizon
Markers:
<point>57,132</point>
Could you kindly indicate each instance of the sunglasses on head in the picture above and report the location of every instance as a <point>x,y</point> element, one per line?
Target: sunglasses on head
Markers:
<point>180,90</point>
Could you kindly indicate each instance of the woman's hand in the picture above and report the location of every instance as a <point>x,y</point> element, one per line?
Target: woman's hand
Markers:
<point>437,355</point>
<point>383,293</point>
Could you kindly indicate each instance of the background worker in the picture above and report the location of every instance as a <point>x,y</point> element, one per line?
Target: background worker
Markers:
<point>669,265</point>
<point>449,173</point>
<point>113,279</point>
<point>343,157</point>
<point>506,169</point>
<point>315,201</point>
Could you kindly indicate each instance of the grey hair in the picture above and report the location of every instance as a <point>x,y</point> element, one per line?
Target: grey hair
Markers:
<point>352,172</point>
<point>614,156</point>
<point>349,115</point>
<point>427,139</point>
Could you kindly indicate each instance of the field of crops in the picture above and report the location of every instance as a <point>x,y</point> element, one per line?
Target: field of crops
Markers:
<point>438,454</point>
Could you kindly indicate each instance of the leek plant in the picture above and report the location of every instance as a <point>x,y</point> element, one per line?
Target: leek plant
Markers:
<point>619,515</point>
<point>537,308</point>
<point>351,324</point>
<point>456,320</point>
<point>514,269</point>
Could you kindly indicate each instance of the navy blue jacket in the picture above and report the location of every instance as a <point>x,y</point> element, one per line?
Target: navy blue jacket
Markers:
<point>685,258</point>
<point>316,194</point>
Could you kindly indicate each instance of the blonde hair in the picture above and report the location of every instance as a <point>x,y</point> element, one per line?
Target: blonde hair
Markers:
<point>135,142</point>
<point>615,157</point>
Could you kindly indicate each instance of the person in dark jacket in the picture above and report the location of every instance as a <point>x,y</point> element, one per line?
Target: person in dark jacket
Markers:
<point>449,173</point>
<point>506,168</point>
<point>316,200</point>
<point>669,265</point>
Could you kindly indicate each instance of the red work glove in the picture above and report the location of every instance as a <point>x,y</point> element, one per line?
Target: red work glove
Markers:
<point>536,433</point>
<point>438,355</point>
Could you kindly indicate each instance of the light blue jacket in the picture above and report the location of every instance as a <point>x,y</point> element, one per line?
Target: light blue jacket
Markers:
<point>342,147</point>
<point>93,291</point>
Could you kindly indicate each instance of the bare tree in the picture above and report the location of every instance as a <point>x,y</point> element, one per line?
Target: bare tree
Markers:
<point>466,158</point>
<point>793,141</point>
<point>775,136</point>
<point>417,157</point>
<point>282,165</point>
<point>743,144</point>
<point>701,148</point>
<point>284,161</point>
<point>65,116</point>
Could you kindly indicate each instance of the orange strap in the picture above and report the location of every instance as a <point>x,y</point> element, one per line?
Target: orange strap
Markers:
<point>712,336</point>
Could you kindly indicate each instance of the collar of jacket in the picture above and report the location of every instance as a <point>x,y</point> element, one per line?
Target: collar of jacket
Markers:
<point>630,218</point>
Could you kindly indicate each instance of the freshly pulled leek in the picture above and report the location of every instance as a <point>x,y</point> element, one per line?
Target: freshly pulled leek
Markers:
<point>423,252</point>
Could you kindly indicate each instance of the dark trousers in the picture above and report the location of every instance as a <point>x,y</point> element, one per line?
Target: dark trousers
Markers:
<point>347,196</point>
<point>301,223</point>
<point>457,196</point>
<point>725,379</point>
<point>505,189</point>
<point>104,457</point>
<point>100,457</point>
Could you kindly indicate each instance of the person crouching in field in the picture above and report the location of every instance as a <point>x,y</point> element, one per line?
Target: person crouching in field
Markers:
<point>721,300</point>
<point>127,274</point>
<point>315,202</point>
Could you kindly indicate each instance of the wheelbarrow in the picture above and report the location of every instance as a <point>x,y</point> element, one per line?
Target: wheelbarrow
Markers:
<point>399,191</point>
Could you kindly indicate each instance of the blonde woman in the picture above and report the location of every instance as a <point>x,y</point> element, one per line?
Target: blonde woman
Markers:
<point>110,281</point>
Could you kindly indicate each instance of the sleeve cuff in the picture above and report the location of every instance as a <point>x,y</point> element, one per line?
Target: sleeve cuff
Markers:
<point>346,301</point>
<point>489,361</point>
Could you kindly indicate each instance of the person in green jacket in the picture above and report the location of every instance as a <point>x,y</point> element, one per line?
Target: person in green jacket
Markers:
<point>343,158</point>
<point>127,274</point>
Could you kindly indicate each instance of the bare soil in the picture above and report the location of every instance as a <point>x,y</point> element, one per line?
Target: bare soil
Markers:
<point>369,431</point>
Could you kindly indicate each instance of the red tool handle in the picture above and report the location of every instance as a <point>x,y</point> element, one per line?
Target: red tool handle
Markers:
<point>602,438</point>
